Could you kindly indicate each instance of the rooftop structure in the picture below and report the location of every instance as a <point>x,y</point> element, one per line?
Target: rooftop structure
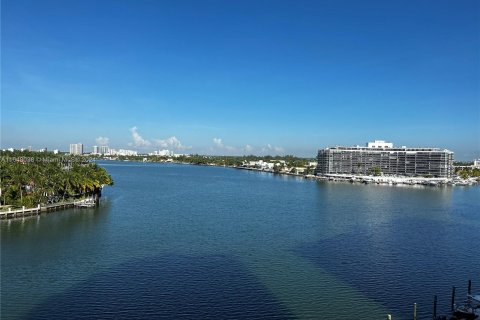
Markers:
<point>380,157</point>
<point>379,144</point>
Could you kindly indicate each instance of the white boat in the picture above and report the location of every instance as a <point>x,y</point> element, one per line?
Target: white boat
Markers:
<point>86,203</point>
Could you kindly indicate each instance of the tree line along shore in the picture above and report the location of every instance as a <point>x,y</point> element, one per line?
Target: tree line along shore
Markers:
<point>282,164</point>
<point>33,178</point>
<point>288,164</point>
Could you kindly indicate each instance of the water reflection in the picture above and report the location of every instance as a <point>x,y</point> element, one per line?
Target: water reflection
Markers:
<point>59,221</point>
<point>372,205</point>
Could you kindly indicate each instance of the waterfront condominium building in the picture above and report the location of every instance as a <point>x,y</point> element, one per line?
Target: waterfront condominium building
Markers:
<point>76,148</point>
<point>104,150</point>
<point>382,157</point>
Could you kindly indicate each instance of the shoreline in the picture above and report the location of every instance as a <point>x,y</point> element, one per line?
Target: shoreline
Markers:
<point>383,180</point>
<point>351,178</point>
<point>400,181</point>
<point>23,212</point>
<point>397,180</point>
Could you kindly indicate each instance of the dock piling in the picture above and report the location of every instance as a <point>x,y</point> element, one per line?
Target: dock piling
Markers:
<point>452,306</point>
<point>469,287</point>
<point>415,311</point>
<point>435,307</point>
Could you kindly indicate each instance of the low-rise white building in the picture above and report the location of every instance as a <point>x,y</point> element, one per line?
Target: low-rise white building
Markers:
<point>177,155</point>
<point>260,164</point>
<point>165,152</point>
<point>300,170</point>
<point>476,163</point>
<point>123,152</point>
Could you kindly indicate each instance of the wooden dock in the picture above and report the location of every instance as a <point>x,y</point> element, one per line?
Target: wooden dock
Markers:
<point>26,212</point>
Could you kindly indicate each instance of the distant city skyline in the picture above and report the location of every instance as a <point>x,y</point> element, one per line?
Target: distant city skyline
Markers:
<point>235,78</point>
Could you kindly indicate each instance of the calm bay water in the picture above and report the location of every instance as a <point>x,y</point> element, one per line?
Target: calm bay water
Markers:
<point>178,241</point>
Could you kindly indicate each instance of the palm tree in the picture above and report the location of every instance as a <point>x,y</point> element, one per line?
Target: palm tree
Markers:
<point>35,182</point>
<point>19,178</point>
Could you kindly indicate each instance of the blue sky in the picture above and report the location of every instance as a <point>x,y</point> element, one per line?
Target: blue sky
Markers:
<point>237,77</point>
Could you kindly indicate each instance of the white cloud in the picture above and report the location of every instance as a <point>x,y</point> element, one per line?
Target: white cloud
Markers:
<point>138,141</point>
<point>102,141</point>
<point>270,148</point>
<point>171,142</point>
<point>219,144</point>
<point>248,149</point>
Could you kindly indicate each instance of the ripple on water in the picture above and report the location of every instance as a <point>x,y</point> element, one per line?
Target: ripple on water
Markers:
<point>167,287</point>
<point>390,267</point>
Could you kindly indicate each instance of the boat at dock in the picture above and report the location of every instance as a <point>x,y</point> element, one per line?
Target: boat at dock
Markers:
<point>86,203</point>
<point>466,313</point>
<point>469,310</point>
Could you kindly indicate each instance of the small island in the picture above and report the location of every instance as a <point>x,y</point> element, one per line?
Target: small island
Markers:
<point>35,180</point>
